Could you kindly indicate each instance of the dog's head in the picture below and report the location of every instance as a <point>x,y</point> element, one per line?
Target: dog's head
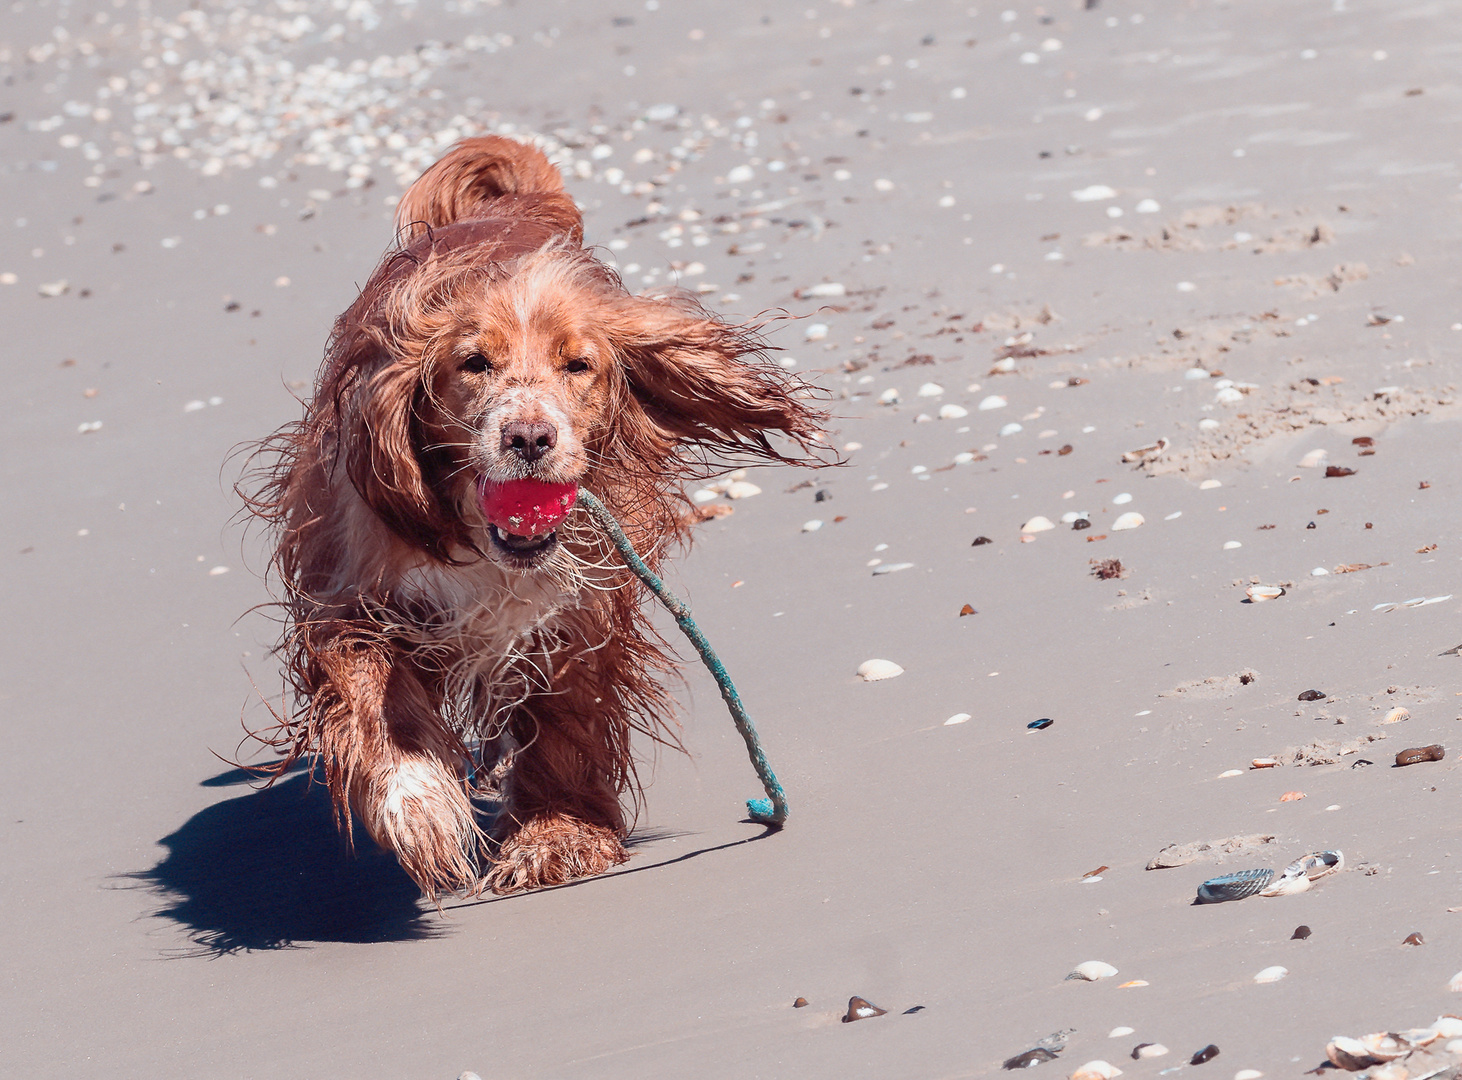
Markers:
<point>457,371</point>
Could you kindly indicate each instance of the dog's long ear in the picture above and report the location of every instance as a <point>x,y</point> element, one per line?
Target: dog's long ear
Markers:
<point>702,382</point>
<point>378,440</point>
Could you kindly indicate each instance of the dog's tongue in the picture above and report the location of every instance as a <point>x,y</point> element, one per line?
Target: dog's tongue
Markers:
<point>527,507</point>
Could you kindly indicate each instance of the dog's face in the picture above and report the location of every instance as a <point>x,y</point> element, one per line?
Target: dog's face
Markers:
<point>520,380</point>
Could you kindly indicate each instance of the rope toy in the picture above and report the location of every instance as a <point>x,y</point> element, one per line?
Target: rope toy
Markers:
<point>772,810</point>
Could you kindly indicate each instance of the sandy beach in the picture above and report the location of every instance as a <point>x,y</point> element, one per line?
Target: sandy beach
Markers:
<point>1053,266</point>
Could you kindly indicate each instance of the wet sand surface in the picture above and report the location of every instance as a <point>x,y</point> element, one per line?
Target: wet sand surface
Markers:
<point>1232,227</point>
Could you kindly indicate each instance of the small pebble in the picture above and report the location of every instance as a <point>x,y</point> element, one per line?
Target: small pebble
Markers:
<point>1312,695</point>
<point>1300,933</point>
<point>800,1003</point>
<point>1208,1053</point>
<point>1413,939</point>
<point>1420,753</point>
<point>861,1009</point>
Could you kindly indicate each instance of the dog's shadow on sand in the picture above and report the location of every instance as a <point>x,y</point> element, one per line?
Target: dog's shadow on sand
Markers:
<point>268,869</point>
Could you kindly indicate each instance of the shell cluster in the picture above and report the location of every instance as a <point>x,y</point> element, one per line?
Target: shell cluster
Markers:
<point>1397,1055</point>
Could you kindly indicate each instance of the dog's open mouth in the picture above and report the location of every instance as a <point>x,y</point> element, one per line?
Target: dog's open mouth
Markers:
<point>523,549</point>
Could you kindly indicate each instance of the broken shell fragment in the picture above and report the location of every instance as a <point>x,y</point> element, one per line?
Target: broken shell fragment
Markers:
<point>1130,520</point>
<point>1096,1070</point>
<point>1092,970</point>
<point>1248,1074</point>
<point>861,1009</point>
<point>1386,1045</point>
<point>1271,974</point>
<point>1349,1054</point>
<point>1297,876</point>
<point>874,670</point>
<point>1314,459</point>
<point>1286,885</point>
<point>1421,753</point>
<point>1148,1050</point>
<point>1029,1059</point>
<point>1292,796</point>
<point>1312,695</point>
<point>1233,886</point>
<point>1264,763</point>
<point>1145,454</point>
<point>1260,593</point>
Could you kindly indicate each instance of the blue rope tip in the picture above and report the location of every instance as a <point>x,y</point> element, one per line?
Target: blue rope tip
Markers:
<point>773,809</point>
<point>762,812</point>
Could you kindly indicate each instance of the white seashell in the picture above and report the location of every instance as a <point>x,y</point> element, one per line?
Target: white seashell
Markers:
<point>1037,524</point>
<point>889,396</point>
<point>1173,516</point>
<point>1130,520</point>
<point>1259,593</point>
<point>704,495</point>
<point>1092,970</point>
<point>953,412</point>
<point>1011,428</point>
<point>741,489</point>
<point>812,526</point>
<point>1209,485</point>
<point>1094,193</point>
<point>1150,1050</point>
<point>1314,459</point>
<point>964,457</point>
<point>1118,1032</point>
<point>1272,974</point>
<point>923,418</point>
<point>817,331</point>
<point>1228,396</point>
<point>1454,984</point>
<point>875,670</point>
<point>994,401</point>
<point>919,470</point>
<point>1148,206</point>
<point>1096,1070</point>
<point>1319,571</point>
<point>1229,545</point>
<point>1264,763</point>
<point>930,389</point>
<point>1208,424</point>
<point>1073,516</point>
<point>1386,1045</point>
<point>54,288</point>
<point>1123,499</point>
<point>1453,1046</point>
<point>1248,1074</point>
<point>892,568</point>
<point>1447,1027</point>
<point>1231,772</point>
<point>830,288</point>
<point>851,446</point>
<point>1007,365</point>
<point>957,718</point>
<point>1392,1070</point>
<point>1396,715</point>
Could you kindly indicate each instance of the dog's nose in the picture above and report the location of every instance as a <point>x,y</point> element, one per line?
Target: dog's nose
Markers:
<point>529,441</point>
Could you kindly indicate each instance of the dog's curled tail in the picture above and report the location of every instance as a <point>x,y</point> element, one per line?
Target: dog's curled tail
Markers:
<point>487,177</point>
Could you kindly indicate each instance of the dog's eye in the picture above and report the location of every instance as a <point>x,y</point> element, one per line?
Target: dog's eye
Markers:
<point>577,365</point>
<point>477,364</point>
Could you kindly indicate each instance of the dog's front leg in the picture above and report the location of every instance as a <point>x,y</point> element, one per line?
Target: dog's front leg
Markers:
<point>388,757</point>
<point>561,817</point>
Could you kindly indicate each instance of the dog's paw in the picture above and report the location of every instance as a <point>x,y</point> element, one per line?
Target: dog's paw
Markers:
<point>421,812</point>
<point>551,850</point>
